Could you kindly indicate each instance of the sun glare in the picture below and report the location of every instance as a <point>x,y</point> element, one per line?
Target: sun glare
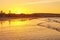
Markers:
<point>18,12</point>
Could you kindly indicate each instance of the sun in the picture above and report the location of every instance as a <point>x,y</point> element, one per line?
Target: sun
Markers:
<point>18,12</point>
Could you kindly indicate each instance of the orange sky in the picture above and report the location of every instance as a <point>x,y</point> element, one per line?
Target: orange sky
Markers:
<point>30,6</point>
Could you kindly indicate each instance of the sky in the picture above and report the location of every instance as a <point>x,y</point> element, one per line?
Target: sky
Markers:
<point>30,6</point>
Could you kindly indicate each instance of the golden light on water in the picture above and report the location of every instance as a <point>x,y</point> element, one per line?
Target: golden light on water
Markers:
<point>17,23</point>
<point>19,29</point>
<point>14,23</point>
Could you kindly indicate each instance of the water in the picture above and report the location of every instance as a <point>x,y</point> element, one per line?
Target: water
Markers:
<point>34,29</point>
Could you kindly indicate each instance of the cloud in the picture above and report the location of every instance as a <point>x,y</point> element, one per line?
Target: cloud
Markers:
<point>40,2</point>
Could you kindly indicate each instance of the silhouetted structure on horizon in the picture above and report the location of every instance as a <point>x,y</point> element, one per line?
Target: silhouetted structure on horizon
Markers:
<point>1,12</point>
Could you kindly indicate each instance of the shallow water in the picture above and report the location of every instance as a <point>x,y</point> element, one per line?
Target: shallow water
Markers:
<point>35,29</point>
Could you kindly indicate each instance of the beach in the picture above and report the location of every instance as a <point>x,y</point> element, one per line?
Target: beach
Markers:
<point>30,30</point>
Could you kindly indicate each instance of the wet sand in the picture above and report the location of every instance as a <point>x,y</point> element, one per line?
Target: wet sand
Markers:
<point>30,30</point>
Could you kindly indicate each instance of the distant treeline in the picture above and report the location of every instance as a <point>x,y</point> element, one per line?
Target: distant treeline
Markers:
<point>30,15</point>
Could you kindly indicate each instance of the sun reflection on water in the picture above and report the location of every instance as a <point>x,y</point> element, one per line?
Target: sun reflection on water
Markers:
<point>15,22</point>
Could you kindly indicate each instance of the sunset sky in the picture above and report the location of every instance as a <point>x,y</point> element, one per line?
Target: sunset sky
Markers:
<point>30,6</point>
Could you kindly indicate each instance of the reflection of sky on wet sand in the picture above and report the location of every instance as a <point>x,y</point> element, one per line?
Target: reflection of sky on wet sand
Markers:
<point>15,22</point>
<point>18,29</point>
